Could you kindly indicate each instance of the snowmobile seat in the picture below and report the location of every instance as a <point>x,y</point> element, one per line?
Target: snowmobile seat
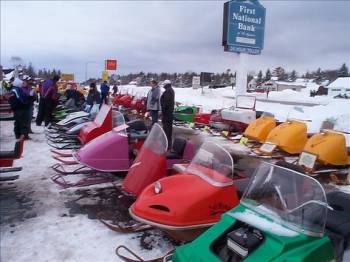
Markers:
<point>137,125</point>
<point>338,220</point>
<point>178,149</point>
<point>15,153</point>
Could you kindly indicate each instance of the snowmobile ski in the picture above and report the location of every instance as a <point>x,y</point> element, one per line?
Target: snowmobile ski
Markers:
<point>59,168</point>
<point>120,228</point>
<point>137,258</point>
<point>87,181</point>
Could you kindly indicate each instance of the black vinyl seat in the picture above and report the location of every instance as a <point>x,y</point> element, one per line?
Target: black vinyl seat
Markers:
<point>178,149</point>
<point>12,154</point>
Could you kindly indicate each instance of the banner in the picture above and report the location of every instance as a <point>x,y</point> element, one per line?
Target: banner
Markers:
<point>67,77</point>
<point>196,82</point>
<point>105,75</point>
<point>111,64</point>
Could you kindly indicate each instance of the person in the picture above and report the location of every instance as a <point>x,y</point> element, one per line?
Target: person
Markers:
<point>153,101</point>
<point>72,94</point>
<point>115,89</point>
<point>167,102</point>
<point>104,92</point>
<point>29,90</point>
<point>20,106</point>
<point>48,100</point>
<point>93,96</point>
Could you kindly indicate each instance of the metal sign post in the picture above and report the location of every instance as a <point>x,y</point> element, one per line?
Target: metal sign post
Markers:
<point>243,32</point>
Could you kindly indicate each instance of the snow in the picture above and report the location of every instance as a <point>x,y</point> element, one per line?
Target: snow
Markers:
<point>340,82</point>
<point>262,223</point>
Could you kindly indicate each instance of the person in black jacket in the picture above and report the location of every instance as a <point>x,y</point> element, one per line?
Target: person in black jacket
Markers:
<point>167,102</point>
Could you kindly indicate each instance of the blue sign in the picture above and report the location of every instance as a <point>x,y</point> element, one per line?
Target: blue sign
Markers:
<point>244,26</point>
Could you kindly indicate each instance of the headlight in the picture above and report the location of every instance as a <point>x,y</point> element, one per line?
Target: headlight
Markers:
<point>157,187</point>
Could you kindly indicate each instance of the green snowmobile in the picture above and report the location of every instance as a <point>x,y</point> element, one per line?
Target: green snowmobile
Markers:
<point>282,216</point>
<point>185,113</point>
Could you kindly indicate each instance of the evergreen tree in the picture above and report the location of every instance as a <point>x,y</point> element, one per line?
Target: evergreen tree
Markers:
<point>293,76</point>
<point>260,78</point>
<point>267,75</point>
<point>343,71</point>
<point>30,70</point>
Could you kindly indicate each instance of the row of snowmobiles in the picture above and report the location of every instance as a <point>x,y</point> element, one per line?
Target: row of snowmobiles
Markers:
<point>274,213</point>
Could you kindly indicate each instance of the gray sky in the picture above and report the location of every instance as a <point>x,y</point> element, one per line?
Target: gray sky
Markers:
<point>175,36</point>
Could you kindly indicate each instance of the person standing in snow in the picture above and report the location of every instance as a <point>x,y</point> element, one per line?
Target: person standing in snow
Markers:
<point>48,100</point>
<point>153,101</point>
<point>167,102</point>
<point>104,92</point>
<point>29,90</point>
<point>20,106</point>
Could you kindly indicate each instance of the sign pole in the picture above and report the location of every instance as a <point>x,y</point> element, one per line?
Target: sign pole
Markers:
<point>241,77</point>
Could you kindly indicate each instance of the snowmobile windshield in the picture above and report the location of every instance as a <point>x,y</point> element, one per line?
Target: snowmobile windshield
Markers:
<point>246,102</point>
<point>119,125</point>
<point>213,164</point>
<point>156,141</point>
<point>102,114</point>
<point>289,198</point>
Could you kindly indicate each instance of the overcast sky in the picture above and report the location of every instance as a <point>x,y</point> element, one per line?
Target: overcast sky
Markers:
<point>175,36</point>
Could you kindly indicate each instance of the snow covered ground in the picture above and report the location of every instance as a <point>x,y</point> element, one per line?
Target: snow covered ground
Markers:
<point>48,229</point>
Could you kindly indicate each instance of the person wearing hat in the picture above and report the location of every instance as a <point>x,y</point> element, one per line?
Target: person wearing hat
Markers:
<point>20,106</point>
<point>167,102</point>
<point>104,92</point>
<point>153,101</point>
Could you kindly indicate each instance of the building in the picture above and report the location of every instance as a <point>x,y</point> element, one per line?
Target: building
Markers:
<point>275,85</point>
<point>340,86</point>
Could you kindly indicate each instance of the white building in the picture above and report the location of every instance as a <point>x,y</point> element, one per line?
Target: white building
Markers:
<point>274,85</point>
<point>340,86</point>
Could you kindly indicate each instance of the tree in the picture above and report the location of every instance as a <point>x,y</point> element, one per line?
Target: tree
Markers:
<point>267,75</point>
<point>29,70</point>
<point>260,78</point>
<point>343,71</point>
<point>293,76</point>
<point>279,72</point>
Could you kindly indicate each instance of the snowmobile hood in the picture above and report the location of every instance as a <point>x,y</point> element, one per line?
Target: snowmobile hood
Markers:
<point>197,203</point>
<point>329,147</point>
<point>290,136</point>
<point>108,152</point>
<point>260,128</point>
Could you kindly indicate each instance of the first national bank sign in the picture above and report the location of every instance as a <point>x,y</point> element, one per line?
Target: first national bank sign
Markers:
<point>244,26</point>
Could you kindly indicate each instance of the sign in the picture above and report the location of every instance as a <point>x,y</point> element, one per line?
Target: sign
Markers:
<point>244,26</point>
<point>111,64</point>
<point>206,78</point>
<point>105,75</point>
<point>196,82</point>
<point>308,160</point>
<point>67,77</point>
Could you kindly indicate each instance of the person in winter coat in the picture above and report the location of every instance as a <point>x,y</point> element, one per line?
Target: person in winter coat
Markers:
<point>93,96</point>
<point>104,92</point>
<point>48,100</point>
<point>29,90</point>
<point>153,101</point>
<point>74,95</point>
<point>20,106</point>
<point>167,102</point>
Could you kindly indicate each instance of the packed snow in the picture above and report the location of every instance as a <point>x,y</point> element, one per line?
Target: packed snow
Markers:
<point>48,232</point>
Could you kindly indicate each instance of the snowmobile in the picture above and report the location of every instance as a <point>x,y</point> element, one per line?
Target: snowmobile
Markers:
<point>101,124</point>
<point>115,151</point>
<point>6,113</point>
<point>283,216</point>
<point>325,152</point>
<point>7,158</point>
<point>185,113</point>
<point>236,118</point>
<point>152,163</point>
<point>208,190</point>
<point>289,137</point>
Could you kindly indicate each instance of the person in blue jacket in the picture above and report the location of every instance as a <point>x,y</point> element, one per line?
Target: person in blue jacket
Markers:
<point>104,92</point>
<point>19,102</point>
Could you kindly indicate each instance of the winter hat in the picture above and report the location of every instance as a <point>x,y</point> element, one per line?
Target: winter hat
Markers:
<point>18,82</point>
<point>166,82</point>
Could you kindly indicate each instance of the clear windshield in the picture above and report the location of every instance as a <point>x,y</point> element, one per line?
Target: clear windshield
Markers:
<point>212,163</point>
<point>247,102</point>
<point>289,198</point>
<point>102,114</point>
<point>119,125</point>
<point>156,140</point>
